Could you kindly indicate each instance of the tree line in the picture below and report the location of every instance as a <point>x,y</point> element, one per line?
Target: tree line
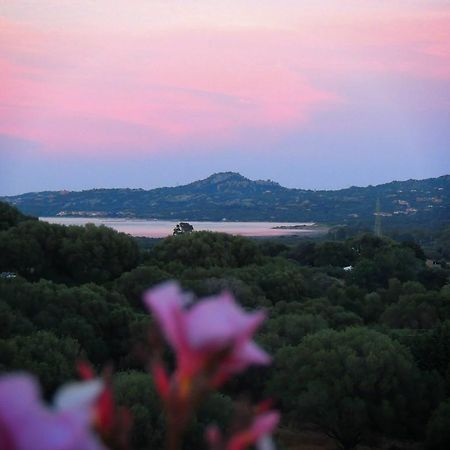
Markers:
<point>361,354</point>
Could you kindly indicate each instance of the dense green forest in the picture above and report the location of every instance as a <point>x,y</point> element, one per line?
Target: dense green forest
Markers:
<point>359,325</point>
<point>230,196</point>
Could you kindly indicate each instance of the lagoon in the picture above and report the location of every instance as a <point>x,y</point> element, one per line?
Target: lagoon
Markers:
<point>164,228</point>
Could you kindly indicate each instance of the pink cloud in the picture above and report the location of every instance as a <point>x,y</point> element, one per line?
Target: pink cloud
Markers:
<point>83,89</point>
<point>170,94</point>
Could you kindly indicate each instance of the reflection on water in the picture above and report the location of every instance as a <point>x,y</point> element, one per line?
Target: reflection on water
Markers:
<point>163,228</point>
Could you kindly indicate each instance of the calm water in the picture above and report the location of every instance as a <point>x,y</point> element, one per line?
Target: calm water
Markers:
<point>163,228</point>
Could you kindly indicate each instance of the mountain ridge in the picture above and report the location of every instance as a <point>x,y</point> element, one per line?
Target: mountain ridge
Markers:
<point>261,181</point>
<point>231,196</point>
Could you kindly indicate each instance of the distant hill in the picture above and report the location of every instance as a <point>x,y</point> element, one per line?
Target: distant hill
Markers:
<point>231,196</point>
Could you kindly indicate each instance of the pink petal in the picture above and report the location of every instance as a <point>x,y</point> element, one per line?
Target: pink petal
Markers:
<point>166,303</point>
<point>216,322</point>
<point>254,321</point>
<point>18,394</point>
<point>42,430</point>
<point>80,395</point>
<point>265,424</point>
<point>247,355</point>
<point>10,384</point>
<point>213,435</point>
<point>211,324</point>
<point>32,426</point>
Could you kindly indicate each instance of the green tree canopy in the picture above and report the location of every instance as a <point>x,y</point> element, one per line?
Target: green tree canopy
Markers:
<point>438,428</point>
<point>10,216</point>
<point>205,249</point>
<point>351,383</point>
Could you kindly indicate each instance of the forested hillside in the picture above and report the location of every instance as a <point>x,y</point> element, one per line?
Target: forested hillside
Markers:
<point>359,328</point>
<point>230,196</point>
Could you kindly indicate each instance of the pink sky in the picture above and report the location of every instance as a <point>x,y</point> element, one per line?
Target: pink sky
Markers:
<point>150,77</point>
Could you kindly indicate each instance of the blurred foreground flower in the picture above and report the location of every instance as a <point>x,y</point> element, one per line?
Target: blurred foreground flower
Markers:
<point>26,423</point>
<point>257,432</point>
<point>113,423</point>
<point>212,340</point>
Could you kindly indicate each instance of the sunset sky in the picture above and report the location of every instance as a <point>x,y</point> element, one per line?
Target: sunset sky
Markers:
<point>147,93</point>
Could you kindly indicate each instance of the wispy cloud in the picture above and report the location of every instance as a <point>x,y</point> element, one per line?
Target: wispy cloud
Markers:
<point>149,76</point>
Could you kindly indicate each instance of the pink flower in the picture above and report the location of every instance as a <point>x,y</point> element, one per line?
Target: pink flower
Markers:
<point>213,336</point>
<point>27,424</point>
<point>258,434</point>
<point>112,422</point>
